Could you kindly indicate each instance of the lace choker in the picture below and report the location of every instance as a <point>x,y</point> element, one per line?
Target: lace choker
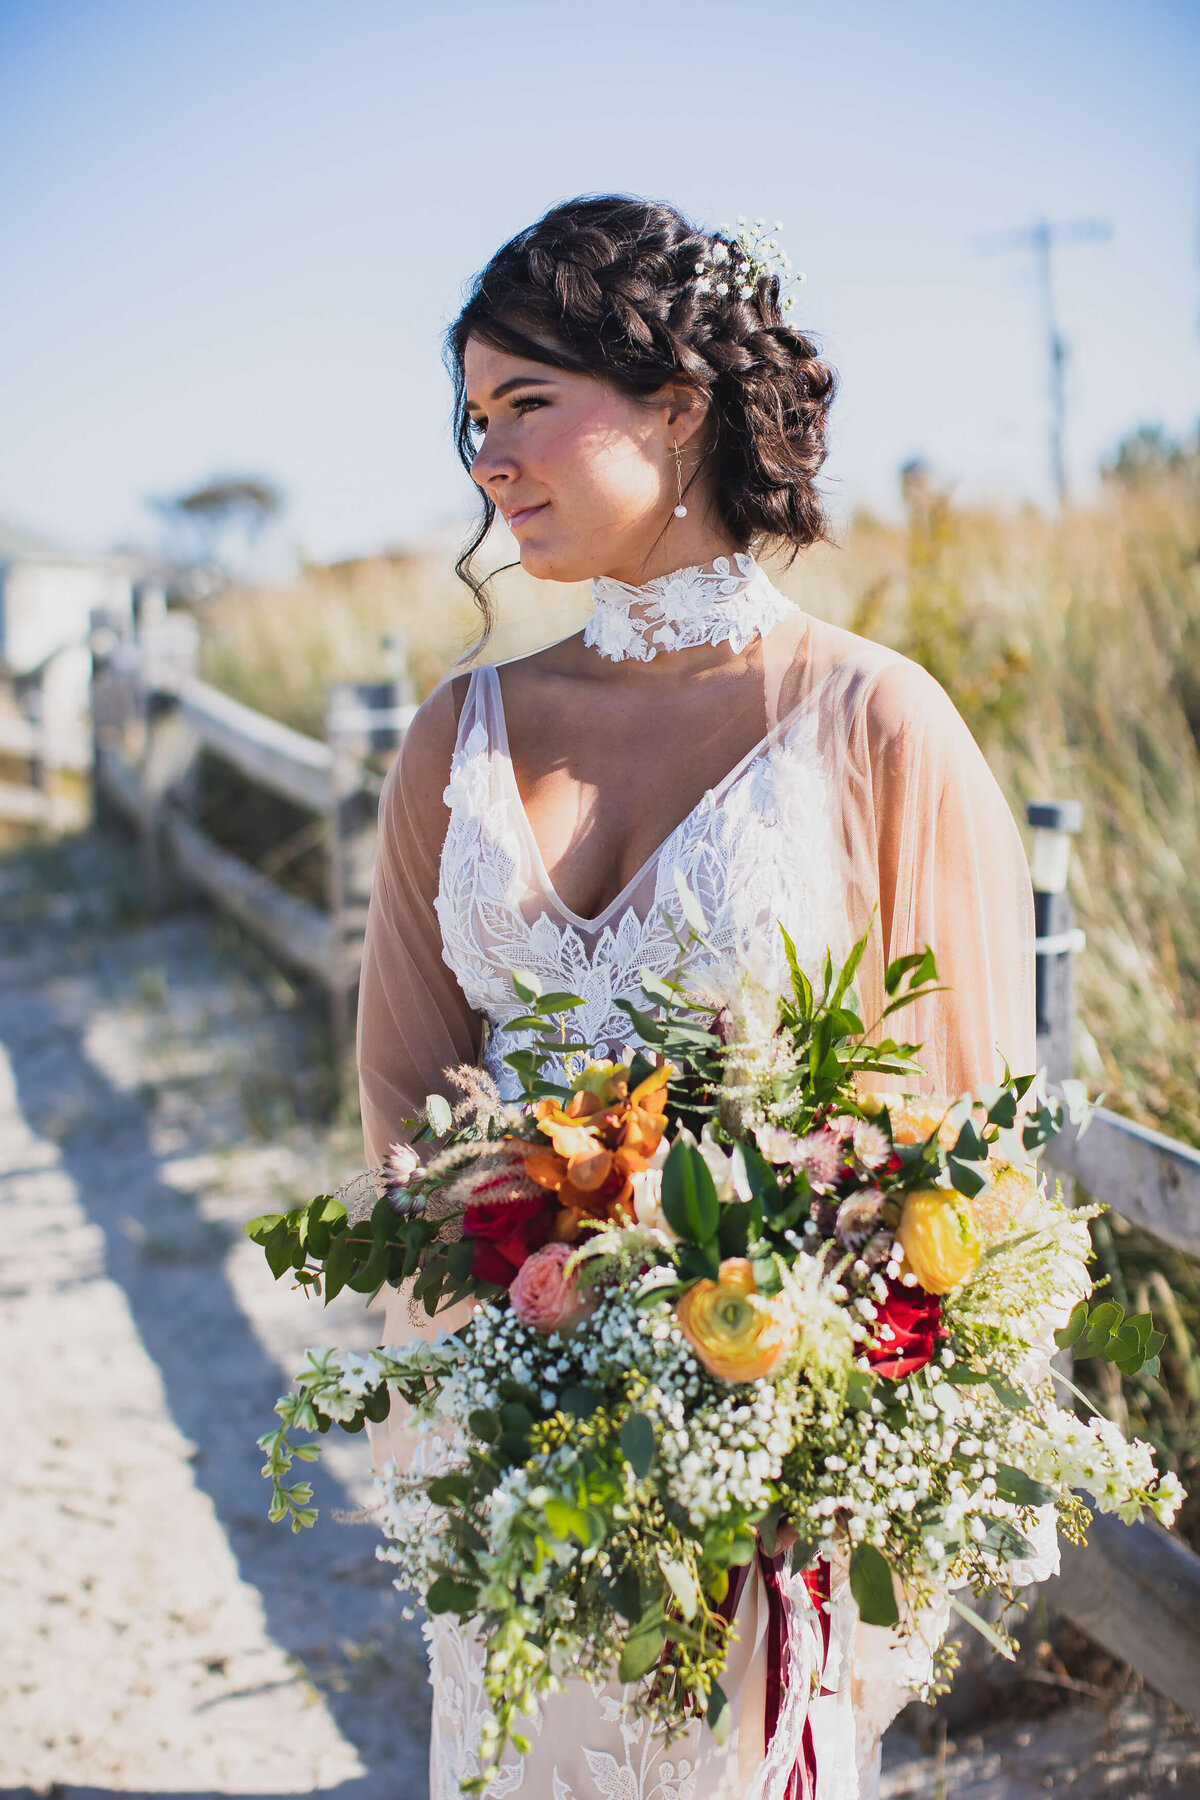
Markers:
<point>679,611</point>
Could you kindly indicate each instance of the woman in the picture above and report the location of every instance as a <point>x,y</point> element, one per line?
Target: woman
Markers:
<point>633,402</point>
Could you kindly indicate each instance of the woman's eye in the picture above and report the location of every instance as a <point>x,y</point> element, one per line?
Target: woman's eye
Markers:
<point>521,407</point>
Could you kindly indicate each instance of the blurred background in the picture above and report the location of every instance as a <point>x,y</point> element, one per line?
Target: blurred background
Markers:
<point>233,236</point>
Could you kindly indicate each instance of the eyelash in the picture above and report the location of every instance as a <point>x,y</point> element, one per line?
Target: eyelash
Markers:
<point>527,403</point>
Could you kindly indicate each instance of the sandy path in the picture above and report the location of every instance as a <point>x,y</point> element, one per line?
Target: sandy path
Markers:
<point>159,1635</point>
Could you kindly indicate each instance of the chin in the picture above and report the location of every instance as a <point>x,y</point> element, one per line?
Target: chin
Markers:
<point>550,562</point>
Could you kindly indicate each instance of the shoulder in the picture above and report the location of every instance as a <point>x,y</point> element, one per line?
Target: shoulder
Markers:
<point>417,779</point>
<point>882,693</point>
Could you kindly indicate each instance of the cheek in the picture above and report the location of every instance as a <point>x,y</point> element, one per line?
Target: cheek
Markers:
<point>602,472</point>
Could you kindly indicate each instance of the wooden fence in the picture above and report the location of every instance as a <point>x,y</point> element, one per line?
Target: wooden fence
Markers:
<point>1134,1589</point>
<point>38,730</point>
<point>151,721</point>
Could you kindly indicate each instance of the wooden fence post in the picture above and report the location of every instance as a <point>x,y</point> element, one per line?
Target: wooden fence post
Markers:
<point>1055,823</point>
<point>362,718</point>
<point>168,649</point>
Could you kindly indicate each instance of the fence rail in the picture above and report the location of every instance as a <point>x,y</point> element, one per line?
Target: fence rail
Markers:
<point>1134,1589</point>
<point>37,730</point>
<point>152,719</point>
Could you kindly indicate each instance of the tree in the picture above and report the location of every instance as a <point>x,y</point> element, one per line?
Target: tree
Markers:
<point>213,517</point>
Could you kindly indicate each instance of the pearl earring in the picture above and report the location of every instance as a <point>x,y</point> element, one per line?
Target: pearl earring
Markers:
<point>681,509</point>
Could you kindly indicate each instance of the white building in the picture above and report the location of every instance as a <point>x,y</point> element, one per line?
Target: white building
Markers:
<point>47,595</point>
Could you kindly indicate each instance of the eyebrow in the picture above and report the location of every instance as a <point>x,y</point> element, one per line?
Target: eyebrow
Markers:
<point>506,387</point>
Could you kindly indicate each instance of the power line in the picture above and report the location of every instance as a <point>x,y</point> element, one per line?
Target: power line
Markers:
<point>1042,239</point>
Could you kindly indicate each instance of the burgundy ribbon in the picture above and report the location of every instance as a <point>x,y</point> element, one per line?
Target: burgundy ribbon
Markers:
<point>802,1781</point>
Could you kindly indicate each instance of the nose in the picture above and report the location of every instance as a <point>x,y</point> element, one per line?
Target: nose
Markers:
<point>490,467</point>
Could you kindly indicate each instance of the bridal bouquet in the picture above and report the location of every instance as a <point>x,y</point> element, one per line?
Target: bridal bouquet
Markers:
<point>728,1299</point>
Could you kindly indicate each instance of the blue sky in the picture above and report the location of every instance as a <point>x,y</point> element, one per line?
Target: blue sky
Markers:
<point>231,234</point>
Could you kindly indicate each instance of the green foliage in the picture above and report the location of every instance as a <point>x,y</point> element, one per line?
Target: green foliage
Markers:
<point>1131,1343</point>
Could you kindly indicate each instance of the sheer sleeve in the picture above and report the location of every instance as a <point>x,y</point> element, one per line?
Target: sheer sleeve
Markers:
<point>413,1020</point>
<point>932,842</point>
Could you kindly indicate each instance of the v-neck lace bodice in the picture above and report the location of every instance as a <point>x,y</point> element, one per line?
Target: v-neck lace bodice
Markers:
<point>756,850</point>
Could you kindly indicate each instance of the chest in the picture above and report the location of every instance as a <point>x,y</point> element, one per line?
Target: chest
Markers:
<point>603,785</point>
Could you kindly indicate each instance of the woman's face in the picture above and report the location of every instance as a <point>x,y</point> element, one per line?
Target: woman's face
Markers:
<point>584,476</point>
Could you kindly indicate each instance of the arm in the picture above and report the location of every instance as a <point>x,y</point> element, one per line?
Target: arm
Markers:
<point>951,872</point>
<point>413,1020</point>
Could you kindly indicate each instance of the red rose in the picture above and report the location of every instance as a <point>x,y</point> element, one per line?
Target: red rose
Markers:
<point>914,1319</point>
<point>505,1233</point>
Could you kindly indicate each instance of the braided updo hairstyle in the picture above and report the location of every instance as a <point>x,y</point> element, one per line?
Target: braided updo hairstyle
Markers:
<point>607,286</point>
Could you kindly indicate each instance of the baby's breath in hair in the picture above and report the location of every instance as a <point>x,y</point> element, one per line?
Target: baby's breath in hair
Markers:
<point>739,258</point>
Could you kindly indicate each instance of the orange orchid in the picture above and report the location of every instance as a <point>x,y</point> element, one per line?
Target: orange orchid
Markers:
<point>601,1137</point>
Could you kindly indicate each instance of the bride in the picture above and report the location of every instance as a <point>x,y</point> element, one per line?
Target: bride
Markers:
<point>632,400</point>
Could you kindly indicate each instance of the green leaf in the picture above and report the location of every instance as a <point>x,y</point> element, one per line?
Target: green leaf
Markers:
<point>720,1714</point>
<point>448,1595</point>
<point>449,1490</point>
<point>553,1004</point>
<point>636,1438</point>
<point>682,1583</point>
<point>566,1520</point>
<point>1103,1320</point>
<point>437,1111</point>
<point>643,1647</point>
<point>261,1228</point>
<point>969,1145</point>
<point>801,985</point>
<point>689,1198</point>
<point>689,906</point>
<point>871,1585</point>
<point>968,1181</point>
<point>767,1278</point>
<point>699,1262</point>
<point>526,985</point>
<point>339,1266</point>
<point>1073,1330</point>
<point>579,1402</point>
<point>624,1592</point>
<point>460,1257</point>
<point>1015,1485</point>
<point>484,1424</point>
<point>277,1247</point>
<point>994,1638</point>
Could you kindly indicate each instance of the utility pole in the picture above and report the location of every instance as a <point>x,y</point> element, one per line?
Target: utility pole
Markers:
<point>1042,239</point>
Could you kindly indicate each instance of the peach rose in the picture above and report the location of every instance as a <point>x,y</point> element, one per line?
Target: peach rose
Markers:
<point>738,1333</point>
<point>941,1245</point>
<point>543,1295</point>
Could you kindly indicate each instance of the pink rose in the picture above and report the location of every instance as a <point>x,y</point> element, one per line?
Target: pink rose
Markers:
<point>542,1294</point>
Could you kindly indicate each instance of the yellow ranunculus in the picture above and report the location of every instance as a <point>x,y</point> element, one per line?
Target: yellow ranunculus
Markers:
<point>1008,1194</point>
<point>938,1237</point>
<point>738,1333</point>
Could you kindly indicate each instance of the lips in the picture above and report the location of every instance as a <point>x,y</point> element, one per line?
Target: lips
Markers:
<point>522,514</point>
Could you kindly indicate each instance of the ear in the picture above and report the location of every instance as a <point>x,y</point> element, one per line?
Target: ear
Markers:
<point>686,411</point>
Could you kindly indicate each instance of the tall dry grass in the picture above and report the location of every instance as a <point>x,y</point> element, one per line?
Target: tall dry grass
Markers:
<point>1071,646</point>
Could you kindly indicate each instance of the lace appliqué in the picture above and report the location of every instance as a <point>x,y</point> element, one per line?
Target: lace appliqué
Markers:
<point>679,611</point>
<point>740,850</point>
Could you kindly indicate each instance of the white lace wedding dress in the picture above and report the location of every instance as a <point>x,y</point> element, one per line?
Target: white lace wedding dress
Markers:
<point>864,792</point>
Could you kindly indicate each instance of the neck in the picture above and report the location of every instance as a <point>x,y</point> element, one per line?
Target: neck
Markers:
<point>684,544</point>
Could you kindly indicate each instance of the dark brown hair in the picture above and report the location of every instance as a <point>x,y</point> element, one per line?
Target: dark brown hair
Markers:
<point>607,286</point>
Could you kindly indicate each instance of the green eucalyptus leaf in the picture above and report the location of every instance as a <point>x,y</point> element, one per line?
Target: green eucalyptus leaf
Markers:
<point>636,1438</point>
<point>682,1583</point>
<point>689,1198</point>
<point>720,1714</point>
<point>643,1647</point>
<point>871,1585</point>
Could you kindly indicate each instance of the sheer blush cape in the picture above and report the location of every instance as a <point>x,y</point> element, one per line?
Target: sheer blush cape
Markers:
<point>924,836</point>
<point>928,853</point>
